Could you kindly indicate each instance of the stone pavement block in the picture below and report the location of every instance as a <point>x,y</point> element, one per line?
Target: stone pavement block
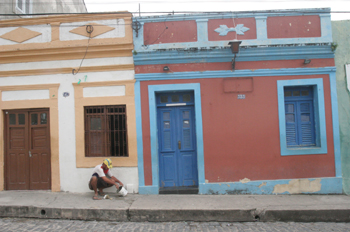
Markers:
<point>172,215</point>
<point>315,215</point>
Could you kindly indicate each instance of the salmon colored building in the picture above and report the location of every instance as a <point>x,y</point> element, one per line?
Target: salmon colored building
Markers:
<point>237,103</point>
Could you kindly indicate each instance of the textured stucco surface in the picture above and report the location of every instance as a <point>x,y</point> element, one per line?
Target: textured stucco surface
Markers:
<point>341,36</point>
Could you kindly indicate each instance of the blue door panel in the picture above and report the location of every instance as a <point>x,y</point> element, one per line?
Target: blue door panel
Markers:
<point>167,128</point>
<point>177,145</point>
<point>189,175</point>
<point>169,174</point>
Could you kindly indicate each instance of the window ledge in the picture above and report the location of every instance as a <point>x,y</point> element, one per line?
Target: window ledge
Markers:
<point>304,151</point>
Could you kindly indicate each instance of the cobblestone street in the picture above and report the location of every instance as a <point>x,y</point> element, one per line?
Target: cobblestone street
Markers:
<point>21,224</point>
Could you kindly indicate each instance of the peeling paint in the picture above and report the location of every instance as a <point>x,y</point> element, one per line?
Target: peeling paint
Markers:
<point>290,24</point>
<point>245,180</point>
<point>207,181</point>
<point>299,186</point>
<point>228,185</point>
<point>262,184</point>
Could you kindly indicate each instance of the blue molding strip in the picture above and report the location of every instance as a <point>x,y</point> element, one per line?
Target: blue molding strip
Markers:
<point>152,90</point>
<point>139,137</point>
<point>236,73</point>
<point>335,119</point>
<point>321,133</point>
<point>225,55</point>
<point>329,185</point>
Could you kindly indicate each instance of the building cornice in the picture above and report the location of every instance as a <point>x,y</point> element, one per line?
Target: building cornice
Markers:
<point>65,19</point>
<point>237,14</point>
<point>52,71</point>
<point>235,73</point>
<point>49,52</point>
<point>317,51</point>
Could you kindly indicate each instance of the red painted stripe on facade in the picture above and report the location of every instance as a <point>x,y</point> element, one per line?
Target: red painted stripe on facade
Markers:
<point>170,32</point>
<point>241,136</point>
<point>293,26</point>
<point>247,22</point>
<point>147,160</point>
<point>269,64</point>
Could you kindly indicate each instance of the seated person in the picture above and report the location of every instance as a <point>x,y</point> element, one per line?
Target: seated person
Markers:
<point>102,177</point>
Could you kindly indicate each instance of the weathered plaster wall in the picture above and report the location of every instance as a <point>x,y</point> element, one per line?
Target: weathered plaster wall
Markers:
<point>342,57</point>
<point>253,148</point>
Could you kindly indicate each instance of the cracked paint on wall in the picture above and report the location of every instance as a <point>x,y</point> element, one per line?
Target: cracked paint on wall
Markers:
<point>299,186</point>
<point>262,184</point>
<point>245,180</point>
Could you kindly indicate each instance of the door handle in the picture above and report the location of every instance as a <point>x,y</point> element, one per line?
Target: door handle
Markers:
<point>179,144</point>
<point>30,154</point>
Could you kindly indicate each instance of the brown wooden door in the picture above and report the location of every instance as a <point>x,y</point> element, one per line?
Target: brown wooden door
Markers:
<point>27,157</point>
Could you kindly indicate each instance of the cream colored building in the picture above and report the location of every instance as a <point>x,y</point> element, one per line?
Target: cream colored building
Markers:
<point>66,100</point>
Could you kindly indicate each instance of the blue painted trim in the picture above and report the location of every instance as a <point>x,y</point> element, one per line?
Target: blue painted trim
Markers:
<point>225,55</point>
<point>261,27</point>
<point>152,90</point>
<point>139,139</point>
<point>319,115</point>
<point>335,119</point>
<point>237,14</point>
<point>202,30</point>
<point>329,185</point>
<point>153,135</point>
<point>326,27</point>
<point>138,41</point>
<point>148,190</point>
<point>236,73</point>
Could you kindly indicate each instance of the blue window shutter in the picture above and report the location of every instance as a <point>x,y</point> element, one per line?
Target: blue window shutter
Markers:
<point>305,118</point>
<point>299,116</point>
<point>291,125</point>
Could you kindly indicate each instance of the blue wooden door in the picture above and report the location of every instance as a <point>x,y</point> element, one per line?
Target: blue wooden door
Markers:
<point>177,146</point>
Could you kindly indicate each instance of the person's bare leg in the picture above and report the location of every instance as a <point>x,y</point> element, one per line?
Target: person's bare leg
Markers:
<point>93,184</point>
<point>101,191</point>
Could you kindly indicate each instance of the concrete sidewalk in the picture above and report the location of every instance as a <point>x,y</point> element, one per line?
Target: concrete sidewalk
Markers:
<point>160,208</point>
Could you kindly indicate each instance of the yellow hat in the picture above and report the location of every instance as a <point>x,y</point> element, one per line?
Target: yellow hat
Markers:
<point>108,163</point>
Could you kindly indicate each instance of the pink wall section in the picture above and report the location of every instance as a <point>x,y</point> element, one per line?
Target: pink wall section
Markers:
<point>247,22</point>
<point>293,26</point>
<point>170,32</point>
<point>241,136</point>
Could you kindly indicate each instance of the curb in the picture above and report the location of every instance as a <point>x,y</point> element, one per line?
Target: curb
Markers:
<point>64,213</point>
<point>168,215</point>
